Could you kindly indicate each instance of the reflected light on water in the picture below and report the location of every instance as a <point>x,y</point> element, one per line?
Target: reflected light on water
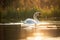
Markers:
<point>44,23</point>
<point>34,38</point>
<point>37,36</point>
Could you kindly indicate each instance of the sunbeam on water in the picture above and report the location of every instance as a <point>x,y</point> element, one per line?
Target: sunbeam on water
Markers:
<point>36,26</point>
<point>36,36</point>
<point>42,38</point>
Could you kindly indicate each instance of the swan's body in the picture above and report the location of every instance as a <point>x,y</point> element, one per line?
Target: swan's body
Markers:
<point>30,21</point>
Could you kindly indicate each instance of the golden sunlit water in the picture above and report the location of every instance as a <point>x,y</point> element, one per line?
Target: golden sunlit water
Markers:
<point>37,36</point>
<point>34,38</point>
<point>43,38</point>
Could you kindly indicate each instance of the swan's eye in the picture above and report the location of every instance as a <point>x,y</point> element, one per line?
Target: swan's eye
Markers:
<point>39,13</point>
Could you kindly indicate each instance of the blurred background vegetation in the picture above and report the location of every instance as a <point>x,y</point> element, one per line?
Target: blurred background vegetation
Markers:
<point>17,10</point>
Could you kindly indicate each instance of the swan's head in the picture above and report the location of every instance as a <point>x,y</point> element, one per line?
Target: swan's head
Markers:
<point>37,13</point>
<point>36,16</point>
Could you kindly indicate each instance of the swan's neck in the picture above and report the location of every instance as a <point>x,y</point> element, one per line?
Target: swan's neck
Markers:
<point>35,18</point>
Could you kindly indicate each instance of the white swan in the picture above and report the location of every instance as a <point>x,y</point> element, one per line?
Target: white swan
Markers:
<point>30,23</point>
<point>34,20</point>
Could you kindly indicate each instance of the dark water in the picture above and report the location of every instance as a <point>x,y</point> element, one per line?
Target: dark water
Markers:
<point>14,32</point>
